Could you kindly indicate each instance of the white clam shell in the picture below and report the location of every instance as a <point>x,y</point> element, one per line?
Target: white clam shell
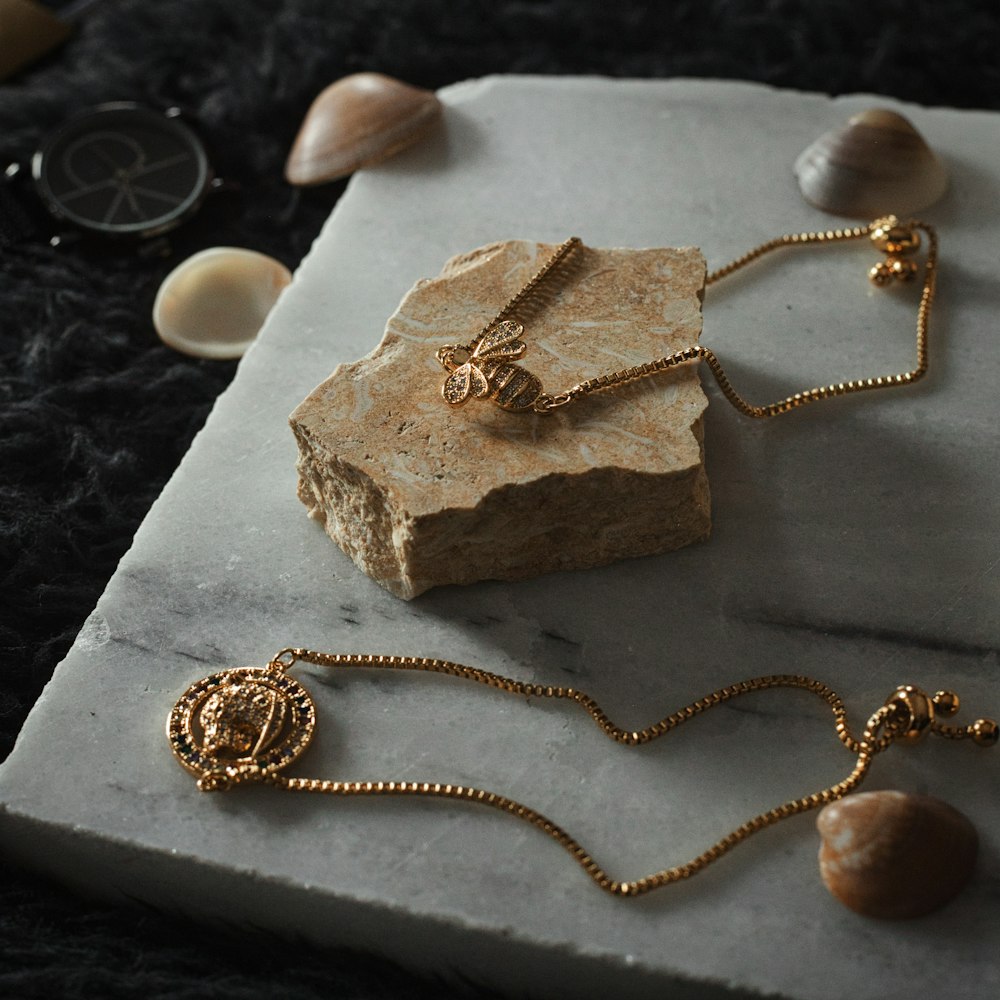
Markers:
<point>213,304</point>
<point>875,164</point>
<point>894,855</point>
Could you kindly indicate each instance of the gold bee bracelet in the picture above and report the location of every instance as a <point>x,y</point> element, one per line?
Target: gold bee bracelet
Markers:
<point>245,725</point>
<point>483,368</point>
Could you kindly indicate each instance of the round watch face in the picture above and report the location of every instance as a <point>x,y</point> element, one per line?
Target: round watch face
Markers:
<point>122,170</point>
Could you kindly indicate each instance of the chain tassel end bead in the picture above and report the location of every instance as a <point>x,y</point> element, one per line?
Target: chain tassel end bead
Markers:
<point>248,724</point>
<point>482,370</point>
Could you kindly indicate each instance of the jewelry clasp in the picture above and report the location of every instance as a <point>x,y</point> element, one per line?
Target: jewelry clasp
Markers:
<point>446,356</point>
<point>285,659</point>
<point>913,712</point>
<point>898,241</point>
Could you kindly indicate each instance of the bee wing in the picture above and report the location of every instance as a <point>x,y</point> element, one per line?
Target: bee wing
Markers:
<point>479,384</point>
<point>465,381</point>
<point>501,341</point>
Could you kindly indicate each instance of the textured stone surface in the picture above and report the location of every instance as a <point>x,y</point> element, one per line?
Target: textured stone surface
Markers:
<point>419,493</point>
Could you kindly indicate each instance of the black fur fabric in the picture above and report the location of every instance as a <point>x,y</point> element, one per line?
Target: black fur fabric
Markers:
<point>95,412</point>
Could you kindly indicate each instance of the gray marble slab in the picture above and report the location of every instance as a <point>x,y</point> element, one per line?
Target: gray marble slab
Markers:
<point>855,541</point>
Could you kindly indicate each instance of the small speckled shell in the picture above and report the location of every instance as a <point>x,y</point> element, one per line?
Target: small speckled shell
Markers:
<point>875,164</point>
<point>213,304</point>
<point>355,122</point>
<point>893,855</point>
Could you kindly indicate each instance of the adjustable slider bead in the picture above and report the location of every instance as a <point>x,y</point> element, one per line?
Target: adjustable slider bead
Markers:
<point>880,274</point>
<point>902,270</point>
<point>893,237</point>
<point>985,732</point>
<point>892,269</point>
<point>913,712</point>
<point>945,703</point>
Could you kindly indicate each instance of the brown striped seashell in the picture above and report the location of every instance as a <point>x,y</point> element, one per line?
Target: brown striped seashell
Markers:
<point>356,122</point>
<point>893,855</point>
<point>877,163</point>
<point>213,304</point>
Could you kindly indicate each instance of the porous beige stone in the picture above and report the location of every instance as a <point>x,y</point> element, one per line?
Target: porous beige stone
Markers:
<point>419,493</point>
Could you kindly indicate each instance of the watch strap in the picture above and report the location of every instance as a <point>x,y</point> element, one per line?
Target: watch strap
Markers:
<point>16,225</point>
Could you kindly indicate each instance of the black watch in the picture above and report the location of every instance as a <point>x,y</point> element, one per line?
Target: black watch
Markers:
<point>118,172</point>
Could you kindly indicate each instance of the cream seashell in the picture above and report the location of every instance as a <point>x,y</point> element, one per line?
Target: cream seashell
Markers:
<point>356,122</point>
<point>213,304</point>
<point>875,164</point>
<point>893,855</point>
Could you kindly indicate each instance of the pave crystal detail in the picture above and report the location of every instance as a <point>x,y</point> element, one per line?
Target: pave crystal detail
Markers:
<point>245,721</point>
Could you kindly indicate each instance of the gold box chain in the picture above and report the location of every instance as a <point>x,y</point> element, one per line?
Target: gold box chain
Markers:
<point>213,735</point>
<point>483,368</point>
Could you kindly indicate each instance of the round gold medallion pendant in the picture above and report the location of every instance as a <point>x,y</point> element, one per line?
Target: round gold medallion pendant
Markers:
<point>240,724</point>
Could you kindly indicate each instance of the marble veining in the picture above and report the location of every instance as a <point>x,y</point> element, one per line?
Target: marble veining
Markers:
<point>856,543</point>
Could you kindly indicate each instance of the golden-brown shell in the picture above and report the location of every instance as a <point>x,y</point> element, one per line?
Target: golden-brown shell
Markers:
<point>876,163</point>
<point>358,121</point>
<point>894,855</point>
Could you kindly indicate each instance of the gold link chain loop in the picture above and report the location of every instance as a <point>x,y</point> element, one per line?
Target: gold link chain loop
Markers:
<point>905,716</point>
<point>487,371</point>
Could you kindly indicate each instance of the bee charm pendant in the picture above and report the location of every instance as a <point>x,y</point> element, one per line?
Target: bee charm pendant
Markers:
<point>487,371</point>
